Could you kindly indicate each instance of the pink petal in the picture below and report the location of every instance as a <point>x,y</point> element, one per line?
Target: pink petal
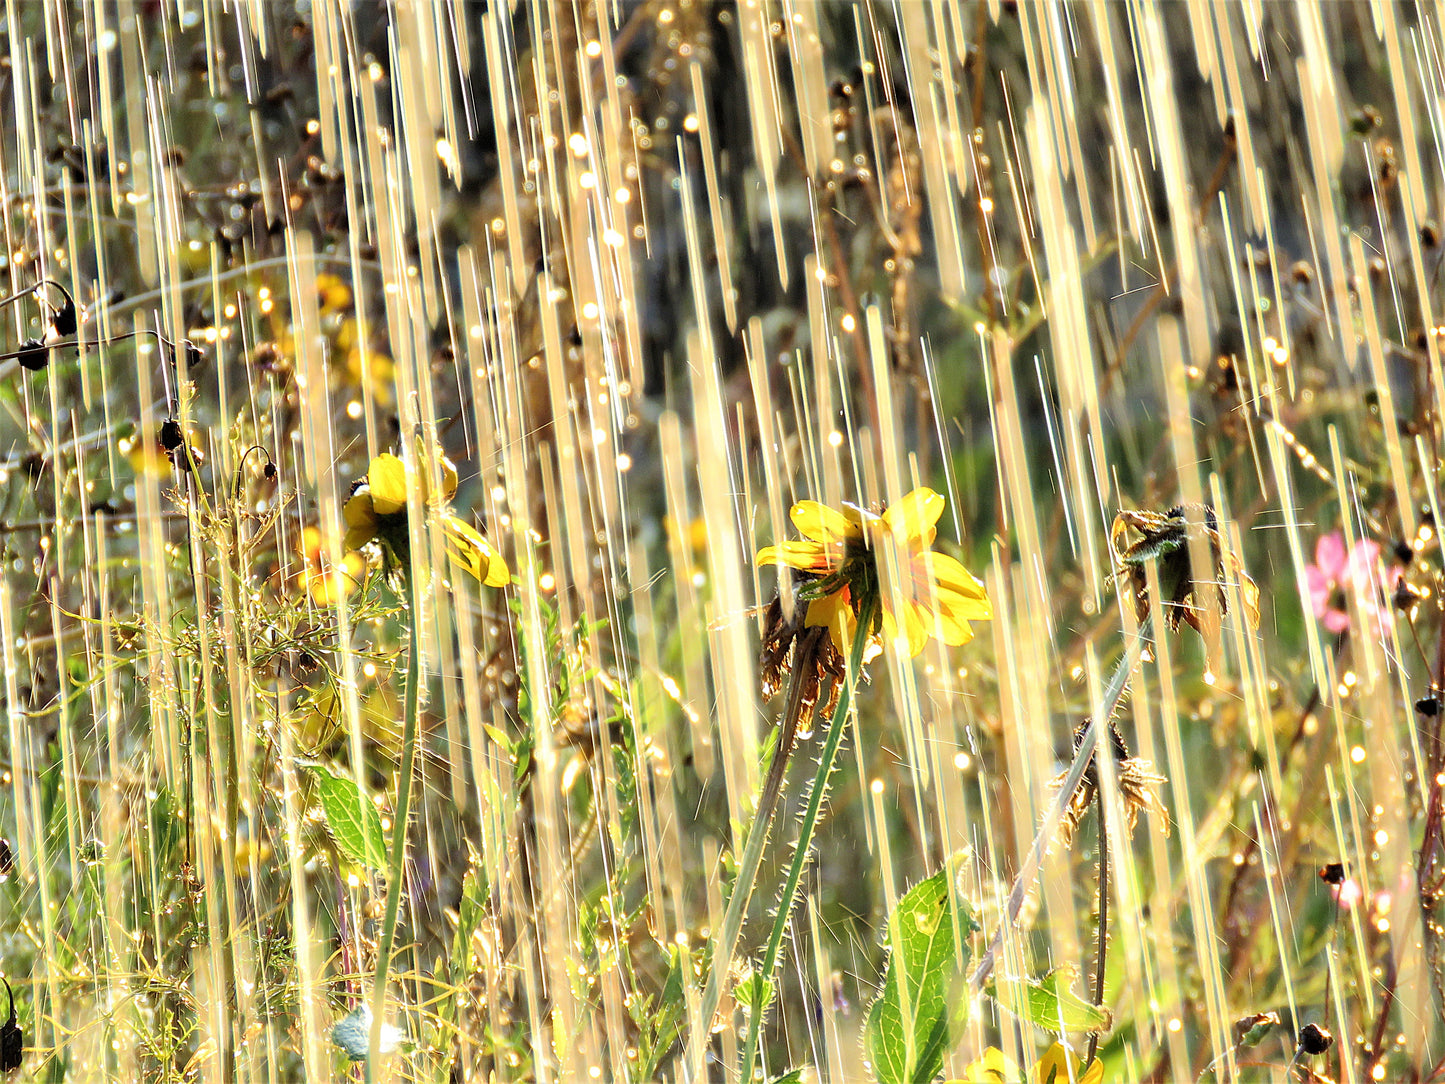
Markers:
<point>1318,585</point>
<point>1330,554</point>
<point>1362,566</point>
<point>1336,621</point>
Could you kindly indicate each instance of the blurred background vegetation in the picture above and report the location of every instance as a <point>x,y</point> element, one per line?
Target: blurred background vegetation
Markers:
<point>648,273</point>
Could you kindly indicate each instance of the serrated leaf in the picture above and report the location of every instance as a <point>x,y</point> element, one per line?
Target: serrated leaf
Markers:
<point>919,1015</point>
<point>754,993</point>
<point>351,817</point>
<point>1050,1003</point>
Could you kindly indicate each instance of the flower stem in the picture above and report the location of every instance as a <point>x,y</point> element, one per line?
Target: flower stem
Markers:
<point>1103,916</point>
<point>810,824</point>
<point>1083,757</point>
<point>804,671</point>
<point>401,814</point>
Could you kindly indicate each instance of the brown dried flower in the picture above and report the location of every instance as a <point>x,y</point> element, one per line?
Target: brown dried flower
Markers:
<point>784,645</point>
<point>1167,537</point>
<point>1137,781</point>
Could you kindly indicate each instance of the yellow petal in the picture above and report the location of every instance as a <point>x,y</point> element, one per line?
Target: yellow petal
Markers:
<point>468,549</point>
<point>358,512</point>
<point>912,633</point>
<point>946,575</point>
<point>357,537</point>
<point>387,479</point>
<point>1059,1065</point>
<point>914,515</point>
<point>995,1067</point>
<point>446,473</point>
<point>808,556</point>
<point>821,523</point>
<point>834,613</point>
<point>951,628</point>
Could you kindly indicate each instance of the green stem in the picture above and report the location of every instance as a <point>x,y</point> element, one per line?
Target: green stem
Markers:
<point>810,824</point>
<point>804,670</point>
<point>401,814</point>
<point>1103,956</point>
<point>1083,757</point>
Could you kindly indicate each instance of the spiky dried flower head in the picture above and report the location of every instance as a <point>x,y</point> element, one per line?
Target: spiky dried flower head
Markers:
<point>789,643</point>
<point>1137,781</point>
<point>1168,538</point>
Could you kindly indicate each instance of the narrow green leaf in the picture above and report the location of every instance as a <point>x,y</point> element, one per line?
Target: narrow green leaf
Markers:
<point>920,1013</point>
<point>352,818</point>
<point>1050,1003</point>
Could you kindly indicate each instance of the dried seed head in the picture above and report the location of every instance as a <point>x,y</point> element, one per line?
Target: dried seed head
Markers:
<point>1333,873</point>
<point>1167,538</point>
<point>33,355</point>
<point>65,321</point>
<point>1137,783</point>
<point>778,656</point>
<point>1314,1039</point>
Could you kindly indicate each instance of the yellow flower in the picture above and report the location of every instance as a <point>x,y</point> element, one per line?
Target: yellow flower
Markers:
<point>1057,1066</point>
<point>376,512</point>
<point>324,583</point>
<point>332,293</point>
<point>374,368</point>
<point>931,594</point>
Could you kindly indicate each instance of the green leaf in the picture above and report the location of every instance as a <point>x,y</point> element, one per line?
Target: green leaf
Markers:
<point>754,993</point>
<point>1050,1003</point>
<point>352,818</point>
<point>920,1013</point>
<point>792,1076</point>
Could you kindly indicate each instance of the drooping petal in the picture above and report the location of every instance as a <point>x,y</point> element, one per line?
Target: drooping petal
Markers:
<point>808,556</point>
<point>446,474</point>
<point>912,632</point>
<point>951,627</point>
<point>941,573</point>
<point>448,471</point>
<point>360,519</point>
<point>358,510</point>
<point>356,537</point>
<point>834,613</point>
<point>387,479</point>
<point>913,516</point>
<point>821,523</point>
<point>468,549</point>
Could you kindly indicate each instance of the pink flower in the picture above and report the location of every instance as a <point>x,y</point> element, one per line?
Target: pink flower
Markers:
<point>1336,576</point>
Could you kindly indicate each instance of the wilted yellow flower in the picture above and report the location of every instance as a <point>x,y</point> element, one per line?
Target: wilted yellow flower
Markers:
<point>935,595</point>
<point>376,512</point>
